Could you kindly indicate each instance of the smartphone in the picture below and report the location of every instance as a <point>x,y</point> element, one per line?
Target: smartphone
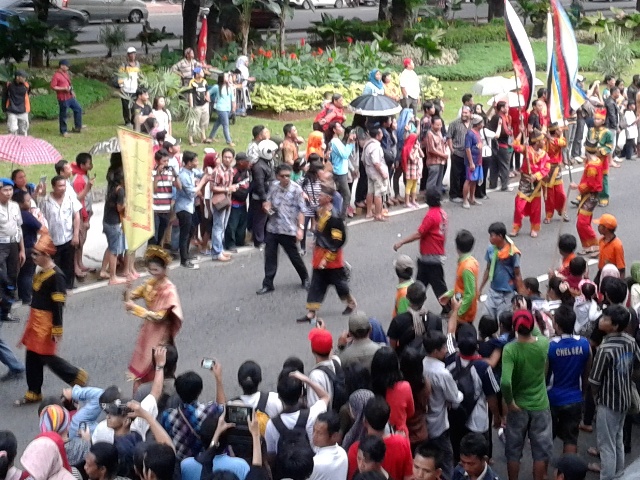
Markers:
<point>458,297</point>
<point>81,428</point>
<point>238,414</point>
<point>207,363</point>
<point>43,179</point>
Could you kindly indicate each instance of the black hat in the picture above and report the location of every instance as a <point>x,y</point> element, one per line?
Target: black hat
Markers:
<point>571,466</point>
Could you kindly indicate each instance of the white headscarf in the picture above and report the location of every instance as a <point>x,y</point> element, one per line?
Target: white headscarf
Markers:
<point>241,64</point>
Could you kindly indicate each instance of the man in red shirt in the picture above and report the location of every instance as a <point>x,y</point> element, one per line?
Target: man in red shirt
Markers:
<point>398,462</point>
<point>61,84</point>
<point>432,234</point>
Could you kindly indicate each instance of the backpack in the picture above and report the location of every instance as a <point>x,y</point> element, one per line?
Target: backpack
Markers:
<point>432,322</point>
<point>295,437</point>
<point>337,379</point>
<point>467,386</point>
<point>240,438</point>
<point>260,411</point>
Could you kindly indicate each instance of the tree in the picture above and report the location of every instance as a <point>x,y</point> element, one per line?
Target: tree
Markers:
<point>36,56</point>
<point>383,9</point>
<point>496,9</point>
<point>190,14</point>
<point>286,12</point>
<point>400,10</point>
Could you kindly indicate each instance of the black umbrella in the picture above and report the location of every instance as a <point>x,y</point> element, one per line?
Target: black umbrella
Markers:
<point>375,106</point>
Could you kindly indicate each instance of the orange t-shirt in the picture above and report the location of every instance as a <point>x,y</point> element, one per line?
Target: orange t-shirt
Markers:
<point>611,252</point>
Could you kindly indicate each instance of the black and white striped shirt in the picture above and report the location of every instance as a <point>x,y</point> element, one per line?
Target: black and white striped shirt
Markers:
<point>612,369</point>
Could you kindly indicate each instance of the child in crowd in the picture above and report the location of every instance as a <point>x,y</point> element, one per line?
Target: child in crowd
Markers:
<point>586,309</point>
<point>404,267</point>
<point>577,273</point>
<point>412,160</point>
<point>567,245</point>
<point>532,290</point>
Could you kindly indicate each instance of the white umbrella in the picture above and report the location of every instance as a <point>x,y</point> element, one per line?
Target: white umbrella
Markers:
<point>491,86</point>
<point>515,84</point>
<point>510,97</point>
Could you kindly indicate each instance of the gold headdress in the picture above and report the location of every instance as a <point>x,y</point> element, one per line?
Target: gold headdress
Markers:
<point>155,251</point>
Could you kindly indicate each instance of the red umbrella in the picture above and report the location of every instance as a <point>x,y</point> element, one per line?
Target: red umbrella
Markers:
<point>202,42</point>
<point>27,151</point>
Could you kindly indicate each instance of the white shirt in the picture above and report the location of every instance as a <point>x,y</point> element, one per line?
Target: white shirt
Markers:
<point>163,118</point>
<point>330,463</point>
<point>60,217</point>
<point>103,433</point>
<point>321,378</point>
<point>632,130</point>
<point>271,435</point>
<point>274,404</point>
<point>10,220</point>
<point>411,83</point>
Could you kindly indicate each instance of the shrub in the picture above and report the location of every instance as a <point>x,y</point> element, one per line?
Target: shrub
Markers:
<point>615,56</point>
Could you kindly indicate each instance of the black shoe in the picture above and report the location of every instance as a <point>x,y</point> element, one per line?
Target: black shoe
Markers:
<point>305,319</point>
<point>9,318</point>
<point>15,375</point>
<point>190,266</point>
<point>347,311</point>
<point>306,284</point>
<point>264,290</point>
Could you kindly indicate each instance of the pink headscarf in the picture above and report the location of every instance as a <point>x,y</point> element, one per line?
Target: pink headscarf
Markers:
<point>45,458</point>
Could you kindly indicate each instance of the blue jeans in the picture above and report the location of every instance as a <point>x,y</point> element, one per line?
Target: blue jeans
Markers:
<point>220,220</point>
<point>72,104</point>
<point>9,359</point>
<point>223,119</point>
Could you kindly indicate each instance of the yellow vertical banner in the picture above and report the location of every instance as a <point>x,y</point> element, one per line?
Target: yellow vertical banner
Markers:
<point>137,162</point>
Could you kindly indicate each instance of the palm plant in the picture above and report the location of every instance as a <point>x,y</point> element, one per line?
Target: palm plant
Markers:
<point>332,28</point>
<point>615,56</point>
<point>113,37</point>
<point>165,83</point>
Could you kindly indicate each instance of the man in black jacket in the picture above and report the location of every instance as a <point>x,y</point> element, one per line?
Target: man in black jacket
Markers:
<point>262,173</point>
<point>15,103</point>
<point>612,120</point>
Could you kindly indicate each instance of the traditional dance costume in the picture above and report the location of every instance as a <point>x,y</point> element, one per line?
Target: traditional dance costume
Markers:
<point>555,198</point>
<point>330,239</point>
<point>528,202</point>
<point>45,323</point>
<point>605,144</point>
<point>590,187</point>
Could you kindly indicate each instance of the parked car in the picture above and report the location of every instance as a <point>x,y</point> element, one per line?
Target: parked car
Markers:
<point>66,18</point>
<point>263,18</point>
<point>134,11</point>
<point>307,4</point>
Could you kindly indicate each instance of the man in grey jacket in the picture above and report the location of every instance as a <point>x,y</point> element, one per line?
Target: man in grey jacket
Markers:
<point>377,173</point>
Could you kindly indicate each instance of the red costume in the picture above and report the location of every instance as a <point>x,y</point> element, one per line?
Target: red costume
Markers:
<point>555,197</point>
<point>589,187</point>
<point>528,200</point>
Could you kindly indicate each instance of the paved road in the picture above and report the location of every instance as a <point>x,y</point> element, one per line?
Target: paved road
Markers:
<point>225,319</point>
<point>170,16</point>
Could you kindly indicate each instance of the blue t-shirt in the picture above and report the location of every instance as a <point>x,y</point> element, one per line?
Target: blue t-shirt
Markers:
<point>568,354</point>
<point>191,468</point>
<point>504,274</point>
<point>472,141</point>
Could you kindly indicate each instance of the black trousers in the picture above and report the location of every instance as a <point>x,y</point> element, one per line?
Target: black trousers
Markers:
<point>162,222</point>
<point>487,164</point>
<point>363,184</point>
<point>127,114</point>
<point>321,280</point>
<point>290,247</point>
<point>501,169</point>
<point>64,259</point>
<point>576,146</point>
<point>432,274</point>
<point>456,177</point>
<point>185,220</point>
<point>9,266</point>
<point>35,364</point>
<point>25,278</point>
<point>258,222</point>
<point>236,230</point>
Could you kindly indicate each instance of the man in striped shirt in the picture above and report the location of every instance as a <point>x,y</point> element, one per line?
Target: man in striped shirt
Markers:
<point>611,384</point>
<point>164,179</point>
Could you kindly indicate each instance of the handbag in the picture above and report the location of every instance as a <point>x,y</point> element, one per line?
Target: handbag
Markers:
<point>222,203</point>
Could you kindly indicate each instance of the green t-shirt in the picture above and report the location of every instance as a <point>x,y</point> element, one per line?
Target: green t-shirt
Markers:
<point>523,374</point>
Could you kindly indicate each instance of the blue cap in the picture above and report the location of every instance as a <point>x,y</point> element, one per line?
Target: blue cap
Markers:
<point>64,62</point>
<point>7,182</point>
<point>197,70</point>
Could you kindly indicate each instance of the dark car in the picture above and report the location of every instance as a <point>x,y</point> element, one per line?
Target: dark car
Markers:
<point>263,19</point>
<point>66,18</point>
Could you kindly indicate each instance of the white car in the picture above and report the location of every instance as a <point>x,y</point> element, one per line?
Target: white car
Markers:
<point>307,4</point>
<point>134,11</point>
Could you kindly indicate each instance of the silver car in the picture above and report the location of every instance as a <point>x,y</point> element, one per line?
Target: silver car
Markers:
<point>134,11</point>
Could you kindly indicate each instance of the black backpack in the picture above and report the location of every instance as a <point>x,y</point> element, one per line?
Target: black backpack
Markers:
<point>295,437</point>
<point>239,437</point>
<point>337,379</point>
<point>467,386</point>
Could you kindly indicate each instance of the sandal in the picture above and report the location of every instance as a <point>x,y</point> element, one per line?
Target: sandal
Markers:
<point>533,234</point>
<point>546,221</point>
<point>594,467</point>
<point>593,451</point>
<point>565,218</point>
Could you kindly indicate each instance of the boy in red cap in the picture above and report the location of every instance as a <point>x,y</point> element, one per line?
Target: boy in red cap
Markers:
<point>611,249</point>
<point>327,368</point>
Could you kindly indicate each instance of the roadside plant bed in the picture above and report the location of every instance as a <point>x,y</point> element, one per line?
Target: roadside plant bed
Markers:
<point>88,92</point>
<point>279,98</point>
<point>476,61</point>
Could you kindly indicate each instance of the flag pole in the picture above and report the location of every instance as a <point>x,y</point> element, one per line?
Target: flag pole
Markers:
<point>523,130</point>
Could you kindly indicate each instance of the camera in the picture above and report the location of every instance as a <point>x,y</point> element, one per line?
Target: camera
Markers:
<point>207,363</point>
<point>272,211</point>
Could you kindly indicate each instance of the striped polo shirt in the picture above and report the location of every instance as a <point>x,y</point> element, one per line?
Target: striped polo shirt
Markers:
<point>164,192</point>
<point>612,369</point>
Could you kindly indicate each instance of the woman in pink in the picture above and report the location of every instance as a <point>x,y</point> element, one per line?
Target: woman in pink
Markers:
<point>386,381</point>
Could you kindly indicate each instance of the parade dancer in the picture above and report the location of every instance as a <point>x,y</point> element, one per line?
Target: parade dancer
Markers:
<point>590,187</point>
<point>534,168</point>
<point>605,145</point>
<point>555,199</point>
<point>44,327</point>
<point>328,261</point>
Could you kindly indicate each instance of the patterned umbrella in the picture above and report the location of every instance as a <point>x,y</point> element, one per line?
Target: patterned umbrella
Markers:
<point>27,151</point>
<point>375,106</point>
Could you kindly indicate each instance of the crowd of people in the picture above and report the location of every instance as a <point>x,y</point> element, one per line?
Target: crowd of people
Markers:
<point>417,401</point>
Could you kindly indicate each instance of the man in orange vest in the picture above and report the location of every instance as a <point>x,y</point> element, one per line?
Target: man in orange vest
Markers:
<point>466,285</point>
<point>15,103</point>
<point>554,197</point>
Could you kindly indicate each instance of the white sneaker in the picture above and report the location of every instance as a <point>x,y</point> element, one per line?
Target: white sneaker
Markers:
<point>466,205</point>
<point>477,202</point>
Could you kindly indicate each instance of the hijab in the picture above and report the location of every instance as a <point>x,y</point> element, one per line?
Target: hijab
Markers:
<point>375,82</point>
<point>403,119</point>
<point>357,401</point>
<point>54,418</point>
<point>409,143</point>
<point>314,144</point>
<point>241,64</point>
<point>45,458</point>
<point>609,270</point>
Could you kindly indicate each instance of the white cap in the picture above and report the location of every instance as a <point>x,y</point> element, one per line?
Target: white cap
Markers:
<point>209,150</point>
<point>131,50</point>
<point>579,78</point>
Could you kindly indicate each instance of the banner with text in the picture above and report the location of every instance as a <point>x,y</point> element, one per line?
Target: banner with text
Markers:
<point>137,161</point>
